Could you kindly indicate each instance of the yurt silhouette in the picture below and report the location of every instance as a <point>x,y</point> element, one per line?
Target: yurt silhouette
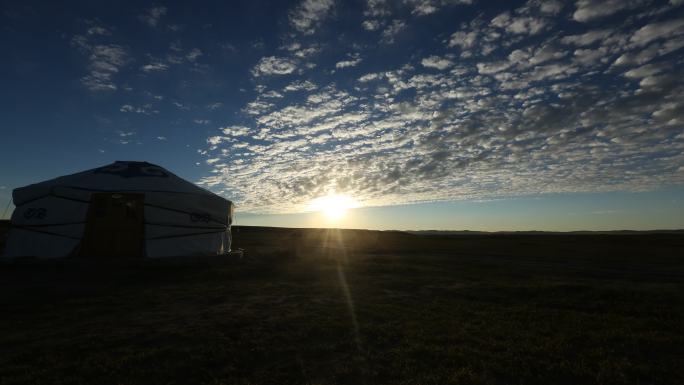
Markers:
<point>125,209</point>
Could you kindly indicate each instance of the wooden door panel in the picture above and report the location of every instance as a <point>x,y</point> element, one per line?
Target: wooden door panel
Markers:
<point>115,225</point>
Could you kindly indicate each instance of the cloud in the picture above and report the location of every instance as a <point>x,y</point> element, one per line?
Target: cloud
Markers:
<point>300,85</point>
<point>494,67</point>
<point>193,54</point>
<point>155,67</point>
<point>436,62</point>
<point>271,94</point>
<point>389,34</point>
<point>590,56</point>
<point>178,56</point>
<point>152,16</point>
<point>550,7</point>
<point>306,52</point>
<point>588,38</point>
<point>645,71</point>
<point>376,8</point>
<point>145,109</point>
<point>638,56</point>
<point>354,61</point>
<point>371,25</point>
<point>533,105</point>
<point>235,131</point>
<point>104,62</point>
<point>369,77</point>
<point>545,53</point>
<point>519,24</point>
<point>98,30</point>
<point>589,10</point>
<point>427,7</point>
<point>423,7</point>
<point>271,65</point>
<point>309,15</point>
<point>650,32</point>
<point>181,106</point>
<point>214,106</point>
<point>465,40</point>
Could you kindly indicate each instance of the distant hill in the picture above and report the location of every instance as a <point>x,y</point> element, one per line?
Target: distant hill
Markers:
<point>539,232</point>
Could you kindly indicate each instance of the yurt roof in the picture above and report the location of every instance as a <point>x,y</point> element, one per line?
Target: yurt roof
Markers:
<point>124,176</point>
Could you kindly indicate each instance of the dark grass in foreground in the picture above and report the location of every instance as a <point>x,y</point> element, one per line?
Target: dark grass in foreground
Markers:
<point>355,307</point>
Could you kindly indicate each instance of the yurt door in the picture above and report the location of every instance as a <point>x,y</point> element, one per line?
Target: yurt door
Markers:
<point>115,226</point>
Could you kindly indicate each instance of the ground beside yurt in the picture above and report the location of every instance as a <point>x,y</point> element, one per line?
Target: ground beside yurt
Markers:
<point>4,231</point>
<point>353,307</point>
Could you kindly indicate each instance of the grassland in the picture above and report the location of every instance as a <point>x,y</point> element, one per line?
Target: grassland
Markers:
<point>356,307</point>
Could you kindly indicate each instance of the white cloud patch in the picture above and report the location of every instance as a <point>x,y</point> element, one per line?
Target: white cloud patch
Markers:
<point>352,62</point>
<point>309,15</point>
<point>98,30</point>
<point>587,38</point>
<point>235,131</point>
<point>145,109</point>
<point>427,7</point>
<point>155,67</point>
<point>271,65</point>
<point>492,68</point>
<point>436,62</point>
<point>125,137</point>
<point>152,16</point>
<point>306,52</point>
<point>551,7</point>
<point>371,25</point>
<point>465,40</point>
<point>390,33</point>
<point>588,10</point>
<point>645,71</point>
<point>528,25</point>
<point>546,53</point>
<point>369,77</point>
<point>590,57</point>
<point>104,62</point>
<point>300,85</point>
<point>193,54</point>
<point>376,8</point>
<point>665,29</point>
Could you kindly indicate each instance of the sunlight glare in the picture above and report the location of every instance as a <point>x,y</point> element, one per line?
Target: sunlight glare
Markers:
<point>334,207</point>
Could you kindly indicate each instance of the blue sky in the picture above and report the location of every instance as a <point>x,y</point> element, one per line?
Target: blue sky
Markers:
<point>448,114</point>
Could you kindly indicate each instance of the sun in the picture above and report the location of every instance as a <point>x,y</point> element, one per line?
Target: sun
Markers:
<point>334,207</point>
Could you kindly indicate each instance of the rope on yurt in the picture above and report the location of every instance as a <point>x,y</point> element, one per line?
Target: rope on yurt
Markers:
<point>26,228</point>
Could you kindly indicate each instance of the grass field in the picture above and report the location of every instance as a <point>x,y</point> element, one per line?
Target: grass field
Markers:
<point>356,307</point>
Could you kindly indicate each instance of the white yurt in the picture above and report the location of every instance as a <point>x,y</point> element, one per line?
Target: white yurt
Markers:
<point>125,209</point>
